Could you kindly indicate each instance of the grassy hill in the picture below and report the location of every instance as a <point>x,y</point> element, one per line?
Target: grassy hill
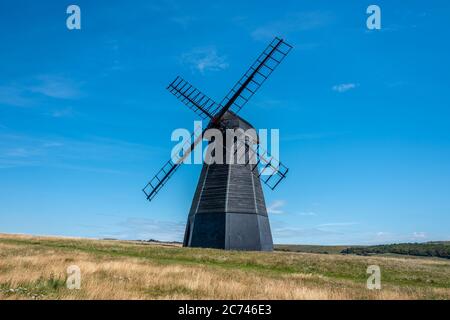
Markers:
<point>35,268</point>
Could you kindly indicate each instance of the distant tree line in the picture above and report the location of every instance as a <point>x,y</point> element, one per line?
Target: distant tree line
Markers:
<point>428,249</point>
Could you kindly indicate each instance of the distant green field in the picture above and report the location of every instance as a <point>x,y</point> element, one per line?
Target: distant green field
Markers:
<point>438,249</point>
<point>310,248</point>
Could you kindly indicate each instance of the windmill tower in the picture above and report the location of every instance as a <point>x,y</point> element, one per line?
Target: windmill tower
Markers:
<point>228,210</point>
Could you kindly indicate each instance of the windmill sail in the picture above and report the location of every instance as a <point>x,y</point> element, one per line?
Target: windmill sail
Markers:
<point>200,103</point>
<point>228,210</point>
<point>169,168</point>
<point>265,166</point>
<point>255,76</point>
<point>160,179</point>
<point>270,170</point>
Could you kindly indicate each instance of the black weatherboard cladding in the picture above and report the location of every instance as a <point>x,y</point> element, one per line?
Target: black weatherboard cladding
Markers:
<point>228,209</point>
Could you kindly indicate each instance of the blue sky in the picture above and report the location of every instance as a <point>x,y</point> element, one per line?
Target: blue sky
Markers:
<point>363,115</point>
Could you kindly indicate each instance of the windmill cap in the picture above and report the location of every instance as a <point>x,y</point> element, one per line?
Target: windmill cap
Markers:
<point>233,121</point>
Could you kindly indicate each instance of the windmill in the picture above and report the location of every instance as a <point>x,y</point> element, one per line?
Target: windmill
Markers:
<point>228,209</point>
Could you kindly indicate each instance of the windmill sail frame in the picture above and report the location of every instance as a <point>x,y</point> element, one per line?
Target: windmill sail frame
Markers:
<point>236,98</point>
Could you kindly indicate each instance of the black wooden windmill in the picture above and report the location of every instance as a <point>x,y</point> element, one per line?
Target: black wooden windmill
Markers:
<point>228,210</point>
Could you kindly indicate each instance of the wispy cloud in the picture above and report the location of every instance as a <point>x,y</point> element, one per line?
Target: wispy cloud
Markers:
<point>93,154</point>
<point>343,234</point>
<point>325,233</point>
<point>307,136</point>
<point>338,224</point>
<point>419,235</point>
<point>30,92</point>
<point>307,213</point>
<point>382,237</point>
<point>175,12</point>
<point>16,96</point>
<point>344,87</point>
<point>302,233</point>
<point>292,23</point>
<point>268,103</point>
<point>20,152</point>
<point>183,21</point>
<point>56,87</point>
<point>112,57</point>
<point>204,59</point>
<point>62,113</point>
<point>395,84</point>
<point>276,207</point>
<point>145,229</point>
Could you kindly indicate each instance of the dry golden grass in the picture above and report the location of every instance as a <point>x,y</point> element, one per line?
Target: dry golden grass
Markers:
<point>35,268</point>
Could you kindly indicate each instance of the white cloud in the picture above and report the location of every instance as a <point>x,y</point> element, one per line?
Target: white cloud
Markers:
<point>19,152</point>
<point>382,237</point>
<point>204,59</point>
<point>419,236</point>
<point>307,136</point>
<point>55,87</point>
<point>340,233</point>
<point>52,144</point>
<point>145,229</point>
<point>183,21</point>
<point>30,92</point>
<point>309,213</point>
<point>276,207</point>
<point>95,153</point>
<point>62,113</point>
<point>303,233</point>
<point>344,87</point>
<point>337,224</point>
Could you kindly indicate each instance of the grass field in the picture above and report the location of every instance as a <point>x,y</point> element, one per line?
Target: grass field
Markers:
<point>35,268</point>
